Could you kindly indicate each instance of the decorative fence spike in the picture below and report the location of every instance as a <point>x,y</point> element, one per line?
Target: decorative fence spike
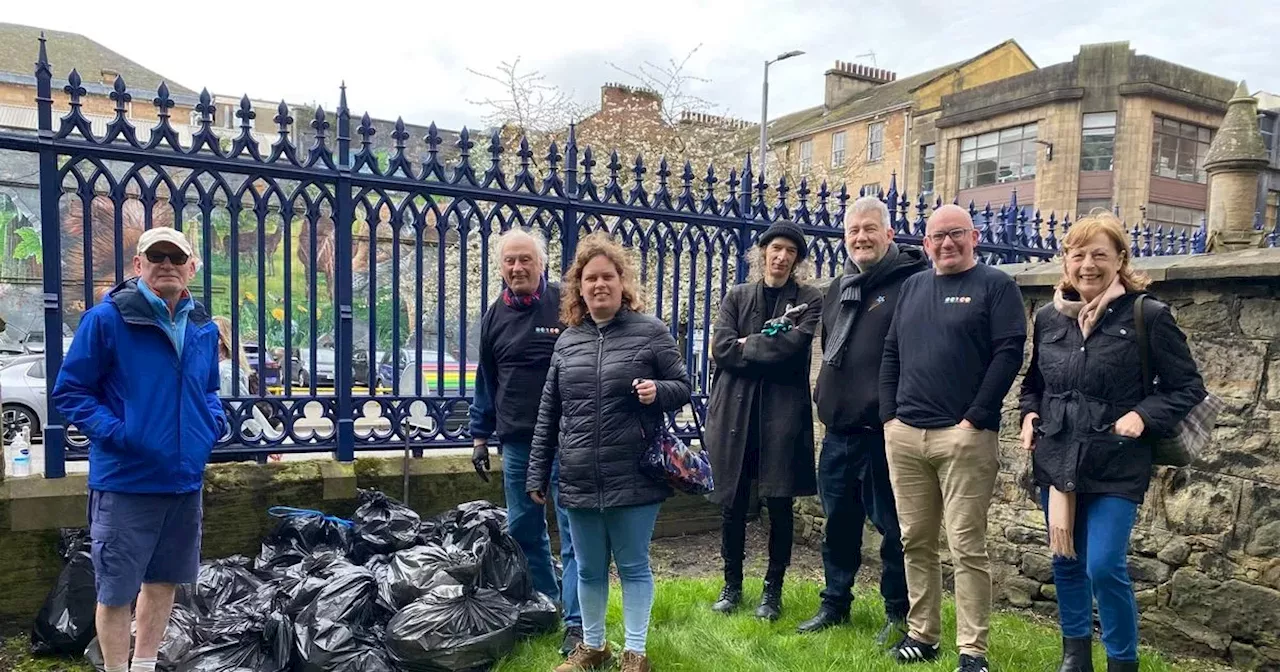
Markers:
<point>709,202</point>
<point>638,194</point>
<point>823,215</point>
<point>802,215</point>
<point>493,174</point>
<point>587,188</point>
<point>464,172</point>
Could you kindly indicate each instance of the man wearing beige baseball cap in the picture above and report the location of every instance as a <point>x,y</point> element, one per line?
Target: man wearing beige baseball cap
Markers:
<point>141,381</point>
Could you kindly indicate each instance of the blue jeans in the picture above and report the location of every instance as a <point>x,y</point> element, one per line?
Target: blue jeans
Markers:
<point>623,532</point>
<point>1099,571</point>
<point>853,479</point>
<point>527,523</point>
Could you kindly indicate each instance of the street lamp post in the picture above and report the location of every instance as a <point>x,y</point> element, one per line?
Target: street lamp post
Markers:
<point>764,106</point>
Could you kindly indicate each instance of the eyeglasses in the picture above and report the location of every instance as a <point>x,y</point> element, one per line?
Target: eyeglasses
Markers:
<point>954,234</point>
<point>178,258</point>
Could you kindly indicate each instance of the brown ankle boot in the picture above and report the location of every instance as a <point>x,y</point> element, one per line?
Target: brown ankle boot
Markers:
<point>583,659</point>
<point>634,662</point>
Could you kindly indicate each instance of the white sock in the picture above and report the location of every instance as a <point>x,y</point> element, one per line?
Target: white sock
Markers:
<point>117,668</point>
<point>143,665</point>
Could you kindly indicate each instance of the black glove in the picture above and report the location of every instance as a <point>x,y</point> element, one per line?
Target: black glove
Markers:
<point>480,458</point>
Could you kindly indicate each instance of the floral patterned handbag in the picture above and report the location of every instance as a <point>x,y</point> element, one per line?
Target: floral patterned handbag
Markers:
<point>669,459</point>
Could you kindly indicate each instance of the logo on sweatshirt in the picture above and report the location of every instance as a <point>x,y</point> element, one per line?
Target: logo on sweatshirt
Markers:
<point>958,299</point>
<point>549,331</point>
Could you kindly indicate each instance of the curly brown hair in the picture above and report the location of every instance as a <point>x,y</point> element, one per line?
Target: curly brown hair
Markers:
<point>573,310</point>
<point>1104,222</point>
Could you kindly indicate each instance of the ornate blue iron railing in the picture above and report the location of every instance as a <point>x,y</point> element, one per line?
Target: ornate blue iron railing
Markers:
<point>358,283</point>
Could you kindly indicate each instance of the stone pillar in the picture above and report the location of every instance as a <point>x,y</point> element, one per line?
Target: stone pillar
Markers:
<point>1235,161</point>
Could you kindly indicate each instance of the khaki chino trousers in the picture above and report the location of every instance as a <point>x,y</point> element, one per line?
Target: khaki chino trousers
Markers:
<point>945,476</point>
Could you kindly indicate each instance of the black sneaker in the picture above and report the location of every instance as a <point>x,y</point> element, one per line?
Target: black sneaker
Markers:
<point>912,650</point>
<point>572,638</point>
<point>970,663</point>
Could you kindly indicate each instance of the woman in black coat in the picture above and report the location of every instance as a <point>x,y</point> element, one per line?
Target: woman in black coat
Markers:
<point>1088,417</point>
<point>614,373</point>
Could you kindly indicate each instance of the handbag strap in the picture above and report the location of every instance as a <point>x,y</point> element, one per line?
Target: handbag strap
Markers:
<point>1144,345</point>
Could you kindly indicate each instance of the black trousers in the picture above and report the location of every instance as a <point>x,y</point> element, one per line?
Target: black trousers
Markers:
<point>853,479</point>
<point>733,527</point>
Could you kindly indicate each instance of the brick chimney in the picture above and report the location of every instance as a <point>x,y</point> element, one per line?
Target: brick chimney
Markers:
<point>616,97</point>
<point>846,80</point>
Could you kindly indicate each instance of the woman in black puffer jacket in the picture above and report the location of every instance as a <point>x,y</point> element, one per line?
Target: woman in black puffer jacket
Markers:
<point>1090,420</point>
<point>614,372</point>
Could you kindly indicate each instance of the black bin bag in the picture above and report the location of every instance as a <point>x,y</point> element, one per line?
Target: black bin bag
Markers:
<point>328,646</point>
<point>453,629</point>
<point>413,572</point>
<point>300,533</point>
<point>241,640</point>
<point>220,583</point>
<point>503,565</point>
<point>65,623</point>
<point>382,525</point>
<point>538,616</point>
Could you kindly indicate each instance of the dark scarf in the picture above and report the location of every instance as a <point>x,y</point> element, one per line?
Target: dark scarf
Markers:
<point>851,285</point>
<point>524,301</point>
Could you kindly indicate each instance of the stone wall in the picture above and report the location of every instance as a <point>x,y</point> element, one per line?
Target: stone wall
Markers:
<point>236,499</point>
<point>1205,554</point>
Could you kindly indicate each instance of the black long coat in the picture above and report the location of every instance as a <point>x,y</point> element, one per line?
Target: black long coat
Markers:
<point>1081,387</point>
<point>591,417</point>
<point>773,373</point>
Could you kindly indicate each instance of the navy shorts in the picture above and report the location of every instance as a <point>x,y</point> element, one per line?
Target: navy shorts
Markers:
<point>141,539</point>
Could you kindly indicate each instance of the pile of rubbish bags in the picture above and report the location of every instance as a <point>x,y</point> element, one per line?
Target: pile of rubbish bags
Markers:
<point>385,590</point>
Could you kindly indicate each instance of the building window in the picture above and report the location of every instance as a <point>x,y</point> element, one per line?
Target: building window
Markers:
<point>871,189</point>
<point>837,149</point>
<point>1273,210</point>
<point>1086,206</point>
<point>806,155</point>
<point>1178,150</point>
<point>928,159</point>
<point>999,156</point>
<point>875,141</point>
<point>1267,124</point>
<point>1097,148</point>
<point>1174,218</point>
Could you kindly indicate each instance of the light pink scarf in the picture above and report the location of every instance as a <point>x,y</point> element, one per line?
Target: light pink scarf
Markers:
<point>1062,505</point>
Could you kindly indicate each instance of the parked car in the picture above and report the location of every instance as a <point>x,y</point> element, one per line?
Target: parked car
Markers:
<point>24,395</point>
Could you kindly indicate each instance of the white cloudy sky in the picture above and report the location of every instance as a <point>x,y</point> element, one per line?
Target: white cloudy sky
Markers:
<point>411,58</point>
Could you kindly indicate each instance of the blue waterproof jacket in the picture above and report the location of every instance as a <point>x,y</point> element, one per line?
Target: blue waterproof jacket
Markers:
<point>151,415</point>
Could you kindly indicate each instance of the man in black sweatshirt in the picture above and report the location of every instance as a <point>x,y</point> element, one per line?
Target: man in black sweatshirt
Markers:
<point>853,473</point>
<point>517,336</point>
<point>952,352</point>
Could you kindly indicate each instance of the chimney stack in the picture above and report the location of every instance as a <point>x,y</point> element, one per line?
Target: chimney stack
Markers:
<point>847,80</point>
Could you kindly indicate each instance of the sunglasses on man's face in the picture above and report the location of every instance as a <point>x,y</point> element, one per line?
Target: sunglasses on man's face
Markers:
<point>178,258</point>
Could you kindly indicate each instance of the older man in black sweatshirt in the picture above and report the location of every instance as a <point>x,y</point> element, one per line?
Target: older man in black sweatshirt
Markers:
<point>853,474</point>
<point>961,332</point>
<point>517,336</point>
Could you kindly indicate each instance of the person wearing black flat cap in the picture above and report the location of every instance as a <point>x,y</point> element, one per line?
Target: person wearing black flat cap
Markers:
<point>759,426</point>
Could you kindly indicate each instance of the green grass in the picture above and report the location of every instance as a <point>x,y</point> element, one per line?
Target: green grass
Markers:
<point>685,635</point>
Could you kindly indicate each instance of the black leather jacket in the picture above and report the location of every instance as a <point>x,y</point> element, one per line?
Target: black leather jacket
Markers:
<point>591,416</point>
<point>1081,388</point>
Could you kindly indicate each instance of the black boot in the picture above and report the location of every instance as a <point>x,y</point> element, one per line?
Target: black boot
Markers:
<point>730,597</point>
<point>1077,655</point>
<point>826,617</point>
<point>770,600</point>
<point>1122,665</point>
